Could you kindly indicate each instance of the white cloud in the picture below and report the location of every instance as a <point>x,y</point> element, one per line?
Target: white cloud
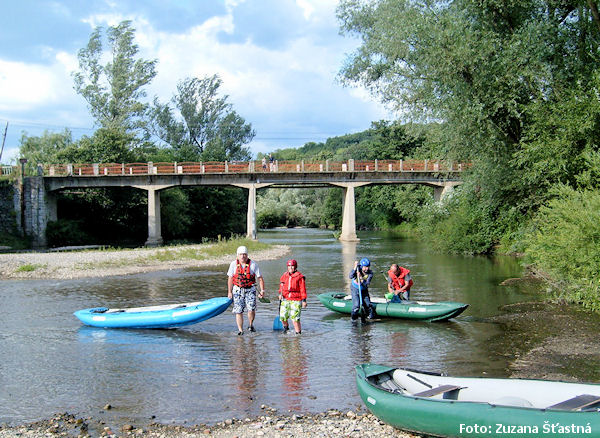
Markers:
<point>307,8</point>
<point>24,86</point>
<point>287,91</point>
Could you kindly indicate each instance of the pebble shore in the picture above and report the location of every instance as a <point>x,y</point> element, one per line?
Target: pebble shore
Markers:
<point>330,424</point>
<point>105,263</point>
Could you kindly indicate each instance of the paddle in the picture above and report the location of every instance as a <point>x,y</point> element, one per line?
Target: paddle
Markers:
<point>277,324</point>
<point>264,300</point>
<point>360,301</point>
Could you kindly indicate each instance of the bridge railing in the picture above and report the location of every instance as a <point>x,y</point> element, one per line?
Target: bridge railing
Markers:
<point>302,166</point>
<point>7,170</point>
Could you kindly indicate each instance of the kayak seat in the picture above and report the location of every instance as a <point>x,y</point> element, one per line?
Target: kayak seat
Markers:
<point>443,389</point>
<point>99,310</point>
<point>385,381</point>
<point>575,403</point>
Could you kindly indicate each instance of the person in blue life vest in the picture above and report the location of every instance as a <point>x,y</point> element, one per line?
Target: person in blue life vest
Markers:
<point>361,273</point>
<point>242,276</point>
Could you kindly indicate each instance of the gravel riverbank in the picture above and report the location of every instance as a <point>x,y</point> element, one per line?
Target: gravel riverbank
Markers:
<point>332,424</point>
<point>104,263</point>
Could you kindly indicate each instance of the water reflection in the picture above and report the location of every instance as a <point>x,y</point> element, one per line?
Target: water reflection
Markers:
<point>399,346</point>
<point>348,259</point>
<point>295,371</point>
<point>244,368</point>
<point>361,341</point>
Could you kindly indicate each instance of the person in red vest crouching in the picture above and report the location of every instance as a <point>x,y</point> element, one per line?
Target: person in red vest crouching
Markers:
<point>241,287</point>
<point>292,293</point>
<point>399,284</point>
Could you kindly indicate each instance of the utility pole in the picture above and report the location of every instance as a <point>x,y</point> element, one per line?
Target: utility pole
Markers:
<point>3,140</point>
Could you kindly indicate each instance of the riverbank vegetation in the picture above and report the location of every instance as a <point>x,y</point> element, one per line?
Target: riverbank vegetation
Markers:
<point>512,87</point>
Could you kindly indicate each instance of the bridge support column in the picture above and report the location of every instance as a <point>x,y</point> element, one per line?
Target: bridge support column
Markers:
<point>36,207</point>
<point>441,191</point>
<point>349,212</point>
<point>251,216</point>
<point>251,229</point>
<point>154,232</point>
<point>349,216</point>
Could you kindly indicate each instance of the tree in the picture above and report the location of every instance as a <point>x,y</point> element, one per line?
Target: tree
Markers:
<point>45,149</point>
<point>495,80</point>
<point>202,124</point>
<point>115,91</point>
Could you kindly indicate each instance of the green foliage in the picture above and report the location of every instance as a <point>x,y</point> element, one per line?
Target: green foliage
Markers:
<point>106,216</point>
<point>105,146</point>
<point>561,144</point>
<point>44,149</point>
<point>298,207</point>
<point>202,126</point>
<point>175,213</point>
<point>64,232</point>
<point>29,267</point>
<point>459,225</point>
<point>216,211</point>
<point>14,241</point>
<point>565,244</point>
<point>385,140</point>
<point>115,91</point>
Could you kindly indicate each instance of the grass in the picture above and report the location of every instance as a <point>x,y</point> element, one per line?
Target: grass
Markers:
<point>220,248</point>
<point>216,249</point>
<point>29,268</point>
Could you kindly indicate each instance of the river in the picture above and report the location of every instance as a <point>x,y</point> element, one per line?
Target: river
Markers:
<point>205,373</point>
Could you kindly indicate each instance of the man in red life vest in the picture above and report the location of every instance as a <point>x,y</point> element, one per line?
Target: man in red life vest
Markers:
<point>292,293</point>
<point>399,283</point>
<point>241,287</point>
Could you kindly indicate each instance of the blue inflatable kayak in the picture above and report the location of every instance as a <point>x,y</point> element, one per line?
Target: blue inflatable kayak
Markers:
<point>166,316</point>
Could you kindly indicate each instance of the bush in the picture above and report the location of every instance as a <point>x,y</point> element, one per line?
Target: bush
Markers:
<point>459,225</point>
<point>15,241</point>
<point>66,232</point>
<point>565,244</point>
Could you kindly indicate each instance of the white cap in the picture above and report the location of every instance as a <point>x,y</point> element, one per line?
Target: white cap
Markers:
<point>242,250</point>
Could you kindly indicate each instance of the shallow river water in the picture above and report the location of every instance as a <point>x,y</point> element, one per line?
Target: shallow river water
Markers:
<point>205,373</point>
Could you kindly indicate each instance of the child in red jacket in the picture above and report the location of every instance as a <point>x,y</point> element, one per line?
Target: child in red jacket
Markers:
<point>292,293</point>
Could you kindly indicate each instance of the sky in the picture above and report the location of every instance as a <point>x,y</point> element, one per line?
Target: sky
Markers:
<point>279,61</point>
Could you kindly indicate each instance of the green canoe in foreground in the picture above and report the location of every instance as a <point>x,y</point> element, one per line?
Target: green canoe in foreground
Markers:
<point>477,406</point>
<point>418,310</point>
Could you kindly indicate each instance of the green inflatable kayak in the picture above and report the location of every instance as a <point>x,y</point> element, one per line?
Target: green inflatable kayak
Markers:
<point>478,407</point>
<point>417,310</point>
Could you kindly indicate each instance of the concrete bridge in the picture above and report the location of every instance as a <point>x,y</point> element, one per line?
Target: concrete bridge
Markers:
<point>253,175</point>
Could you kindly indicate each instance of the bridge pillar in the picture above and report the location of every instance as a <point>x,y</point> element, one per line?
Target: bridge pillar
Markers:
<point>251,229</point>
<point>251,216</point>
<point>349,216</point>
<point>443,190</point>
<point>154,232</point>
<point>348,233</point>
<point>36,207</point>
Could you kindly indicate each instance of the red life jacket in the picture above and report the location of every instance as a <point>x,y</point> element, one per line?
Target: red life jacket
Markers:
<point>398,280</point>
<point>292,286</point>
<point>243,277</point>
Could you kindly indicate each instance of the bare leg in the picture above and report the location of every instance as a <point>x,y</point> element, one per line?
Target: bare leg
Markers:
<point>239,319</point>
<point>297,326</point>
<point>251,314</point>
